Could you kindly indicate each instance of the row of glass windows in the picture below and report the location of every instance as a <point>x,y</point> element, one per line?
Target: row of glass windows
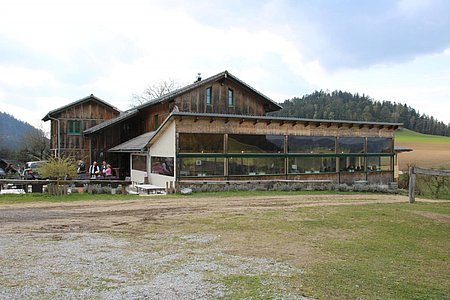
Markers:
<point>248,143</point>
<point>253,166</point>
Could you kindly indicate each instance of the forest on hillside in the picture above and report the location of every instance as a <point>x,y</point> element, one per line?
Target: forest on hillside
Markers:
<point>340,105</point>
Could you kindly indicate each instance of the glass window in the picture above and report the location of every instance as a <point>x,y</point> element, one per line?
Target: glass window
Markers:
<point>351,145</point>
<point>208,96</point>
<point>311,144</point>
<point>379,145</point>
<point>253,143</point>
<point>201,166</point>
<point>230,97</point>
<point>352,164</point>
<point>156,122</point>
<point>74,127</point>
<point>139,162</point>
<point>200,143</point>
<point>311,165</point>
<point>379,163</point>
<point>255,165</point>
<point>162,165</point>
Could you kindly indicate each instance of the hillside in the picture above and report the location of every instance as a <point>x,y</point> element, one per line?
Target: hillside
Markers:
<point>340,105</point>
<point>403,136</point>
<point>429,151</point>
<point>11,131</point>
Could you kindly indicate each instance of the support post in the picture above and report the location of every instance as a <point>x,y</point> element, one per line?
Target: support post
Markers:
<point>412,184</point>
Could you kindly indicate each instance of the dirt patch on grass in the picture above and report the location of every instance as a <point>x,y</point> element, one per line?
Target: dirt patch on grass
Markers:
<point>435,216</point>
<point>425,155</point>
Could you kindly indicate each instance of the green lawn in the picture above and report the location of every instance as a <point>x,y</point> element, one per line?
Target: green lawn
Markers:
<point>409,136</point>
<point>375,251</point>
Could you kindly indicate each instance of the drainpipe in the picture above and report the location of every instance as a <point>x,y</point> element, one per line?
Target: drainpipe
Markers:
<point>59,135</point>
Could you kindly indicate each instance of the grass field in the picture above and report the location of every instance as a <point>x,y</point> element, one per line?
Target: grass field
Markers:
<point>408,136</point>
<point>248,245</point>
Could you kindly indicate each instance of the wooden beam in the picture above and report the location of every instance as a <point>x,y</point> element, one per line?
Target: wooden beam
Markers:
<point>195,119</point>
<point>227,121</point>
<point>294,123</point>
<point>211,120</point>
<point>339,125</point>
<point>318,124</point>
<point>361,126</point>
<point>306,124</point>
<point>255,122</point>
<point>350,125</point>
<point>241,121</point>
<point>281,123</point>
<point>268,122</point>
<point>329,125</point>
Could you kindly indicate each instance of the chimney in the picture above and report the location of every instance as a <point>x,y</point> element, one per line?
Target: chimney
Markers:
<point>199,77</point>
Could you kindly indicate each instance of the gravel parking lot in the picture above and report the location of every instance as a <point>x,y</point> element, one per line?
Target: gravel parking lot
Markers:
<point>126,250</point>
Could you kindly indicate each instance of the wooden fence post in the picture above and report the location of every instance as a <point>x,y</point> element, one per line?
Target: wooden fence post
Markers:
<point>412,184</point>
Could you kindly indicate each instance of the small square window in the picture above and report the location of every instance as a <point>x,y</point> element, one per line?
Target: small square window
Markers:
<point>74,127</point>
<point>230,98</point>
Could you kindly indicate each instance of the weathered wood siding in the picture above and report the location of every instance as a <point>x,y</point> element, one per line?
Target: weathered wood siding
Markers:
<point>236,126</point>
<point>90,113</point>
<point>246,102</point>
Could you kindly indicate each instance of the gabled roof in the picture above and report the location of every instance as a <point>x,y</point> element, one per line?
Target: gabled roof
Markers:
<point>123,116</point>
<point>223,75</point>
<point>78,102</point>
<point>136,144</point>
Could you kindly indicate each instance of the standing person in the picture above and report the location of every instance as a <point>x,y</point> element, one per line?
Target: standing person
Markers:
<point>94,170</point>
<point>81,167</point>
<point>108,171</point>
<point>104,167</point>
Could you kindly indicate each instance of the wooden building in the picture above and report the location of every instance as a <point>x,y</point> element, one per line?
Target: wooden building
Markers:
<point>69,122</point>
<point>217,130</point>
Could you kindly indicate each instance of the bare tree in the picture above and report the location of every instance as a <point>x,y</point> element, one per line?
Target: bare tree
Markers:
<point>154,91</point>
<point>35,145</point>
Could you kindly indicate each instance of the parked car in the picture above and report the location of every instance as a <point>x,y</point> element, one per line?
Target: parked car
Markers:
<point>2,173</point>
<point>31,170</point>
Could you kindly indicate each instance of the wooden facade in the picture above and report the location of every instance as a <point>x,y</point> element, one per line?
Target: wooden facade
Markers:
<point>221,104</point>
<point>69,122</point>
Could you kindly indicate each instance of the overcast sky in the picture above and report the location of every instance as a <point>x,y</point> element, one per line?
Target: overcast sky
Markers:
<point>56,52</point>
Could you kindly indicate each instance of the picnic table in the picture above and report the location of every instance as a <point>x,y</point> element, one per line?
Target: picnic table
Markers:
<point>150,189</point>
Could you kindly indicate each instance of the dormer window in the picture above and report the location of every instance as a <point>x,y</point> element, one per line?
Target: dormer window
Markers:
<point>74,127</point>
<point>230,98</point>
<point>208,96</point>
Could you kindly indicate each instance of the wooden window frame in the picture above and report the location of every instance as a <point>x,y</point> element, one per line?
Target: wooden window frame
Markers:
<point>72,127</point>
<point>208,96</point>
<point>230,100</point>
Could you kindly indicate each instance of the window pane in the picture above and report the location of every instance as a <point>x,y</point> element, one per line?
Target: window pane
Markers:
<point>230,97</point>
<point>310,144</point>
<point>162,165</point>
<point>351,145</point>
<point>139,162</point>
<point>379,163</point>
<point>74,127</point>
<point>312,165</point>
<point>208,96</point>
<point>379,145</point>
<point>252,143</point>
<point>201,166</point>
<point>352,164</point>
<point>200,143</point>
<point>255,165</point>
